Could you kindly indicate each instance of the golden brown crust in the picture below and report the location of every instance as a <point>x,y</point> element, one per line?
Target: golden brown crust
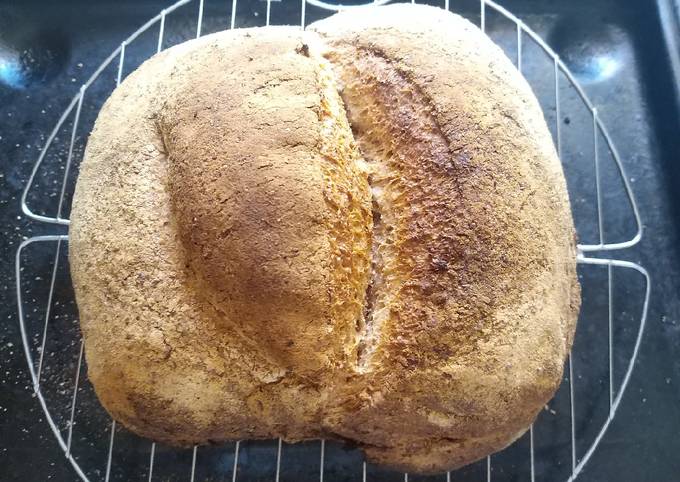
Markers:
<point>244,270</point>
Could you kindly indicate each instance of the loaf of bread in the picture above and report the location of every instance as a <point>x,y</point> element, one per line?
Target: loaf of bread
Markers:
<point>357,232</point>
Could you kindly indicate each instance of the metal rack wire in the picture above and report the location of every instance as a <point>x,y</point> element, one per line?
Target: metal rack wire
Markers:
<point>523,34</point>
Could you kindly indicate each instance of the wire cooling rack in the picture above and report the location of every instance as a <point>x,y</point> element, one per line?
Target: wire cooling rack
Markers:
<point>566,433</point>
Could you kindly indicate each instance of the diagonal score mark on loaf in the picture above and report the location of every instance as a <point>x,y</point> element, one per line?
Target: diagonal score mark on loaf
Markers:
<point>384,193</point>
<point>382,104</point>
<point>346,193</point>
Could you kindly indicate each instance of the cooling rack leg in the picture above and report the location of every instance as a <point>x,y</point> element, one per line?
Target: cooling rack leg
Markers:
<point>531,452</point>
<point>233,15</point>
<point>323,449</point>
<point>108,460</point>
<point>235,470</point>
<point>151,459</point>
<point>69,158</point>
<point>572,410</point>
<point>519,47</point>
<point>48,309</point>
<point>598,190</point>
<point>121,61</point>
<point>558,115</point>
<point>199,21</point>
<point>482,12</point>
<point>611,335</point>
<point>278,460</point>
<point>302,14</point>
<point>73,401</point>
<point>161,31</point>
<point>193,463</point>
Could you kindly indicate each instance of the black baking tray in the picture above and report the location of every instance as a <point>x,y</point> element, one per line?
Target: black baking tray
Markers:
<point>63,43</point>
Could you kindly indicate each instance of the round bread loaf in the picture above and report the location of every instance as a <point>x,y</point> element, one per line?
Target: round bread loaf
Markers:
<point>358,232</point>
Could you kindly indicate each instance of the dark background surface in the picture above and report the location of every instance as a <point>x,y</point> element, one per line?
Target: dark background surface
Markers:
<point>616,49</point>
